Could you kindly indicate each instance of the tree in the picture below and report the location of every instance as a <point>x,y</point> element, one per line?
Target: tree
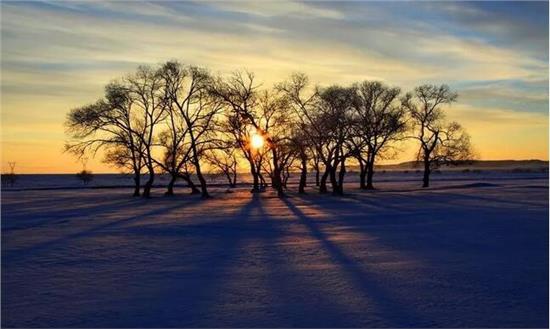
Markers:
<point>147,95</point>
<point>300,145</point>
<point>239,93</point>
<point>190,112</point>
<point>175,156</point>
<point>10,178</point>
<point>305,136</point>
<point>274,122</point>
<point>334,122</point>
<point>440,142</point>
<point>379,121</point>
<point>325,118</point>
<point>225,162</point>
<point>112,123</point>
<point>85,176</point>
<point>123,158</point>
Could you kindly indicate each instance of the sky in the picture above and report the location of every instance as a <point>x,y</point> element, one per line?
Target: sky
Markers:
<point>58,55</point>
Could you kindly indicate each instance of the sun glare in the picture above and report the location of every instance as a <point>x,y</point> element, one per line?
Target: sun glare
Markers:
<point>257,141</point>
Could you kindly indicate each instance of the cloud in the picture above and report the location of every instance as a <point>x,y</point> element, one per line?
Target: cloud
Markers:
<point>277,8</point>
<point>57,55</point>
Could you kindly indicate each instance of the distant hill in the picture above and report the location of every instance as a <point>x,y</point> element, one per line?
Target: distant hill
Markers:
<point>479,164</point>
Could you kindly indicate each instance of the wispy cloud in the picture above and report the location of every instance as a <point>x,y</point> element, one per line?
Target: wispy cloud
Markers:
<point>56,55</point>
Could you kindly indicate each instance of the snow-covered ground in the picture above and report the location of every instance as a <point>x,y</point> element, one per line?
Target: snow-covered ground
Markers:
<point>469,252</point>
<point>69,181</point>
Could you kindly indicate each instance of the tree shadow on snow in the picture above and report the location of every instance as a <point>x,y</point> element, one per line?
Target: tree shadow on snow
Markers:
<point>394,312</point>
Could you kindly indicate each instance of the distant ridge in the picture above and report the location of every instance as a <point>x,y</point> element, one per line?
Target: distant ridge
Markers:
<point>485,164</point>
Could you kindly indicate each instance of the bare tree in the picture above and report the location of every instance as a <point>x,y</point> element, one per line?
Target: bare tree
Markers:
<point>239,94</point>
<point>379,121</point>
<point>316,165</point>
<point>112,123</point>
<point>174,110</point>
<point>440,142</point>
<point>300,145</point>
<point>275,122</point>
<point>225,161</point>
<point>176,153</point>
<point>334,119</point>
<point>190,116</point>
<point>9,178</point>
<point>84,175</point>
<point>122,157</point>
<point>147,94</point>
<point>305,136</point>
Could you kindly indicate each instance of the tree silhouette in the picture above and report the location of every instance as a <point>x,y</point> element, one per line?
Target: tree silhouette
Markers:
<point>440,142</point>
<point>190,114</point>
<point>112,123</point>
<point>9,178</point>
<point>177,118</point>
<point>380,120</point>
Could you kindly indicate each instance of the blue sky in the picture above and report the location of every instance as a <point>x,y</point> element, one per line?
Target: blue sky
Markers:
<point>58,55</point>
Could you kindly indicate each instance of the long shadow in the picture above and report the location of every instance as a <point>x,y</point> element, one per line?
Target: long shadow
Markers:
<point>439,248</point>
<point>299,297</point>
<point>13,224</point>
<point>22,253</point>
<point>197,296</point>
<point>43,201</point>
<point>394,311</point>
<point>440,199</point>
<point>365,208</point>
<point>177,287</point>
<point>455,196</point>
<point>369,202</point>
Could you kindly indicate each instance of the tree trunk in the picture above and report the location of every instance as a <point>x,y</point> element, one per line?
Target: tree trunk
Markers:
<point>317,174</point>
<point>149,183</point>
<point>137,183</point>
<point>303,177</point>
<point>192,186</point>
<point>276,180</point>
<point>204,189</point>
<point>341,174</point>
<point>202,181</point>
<point>333,169</point>
<point>323,182</point>
<point>255,178</point>
<point>234,183</point>
<point>263,183</point>
<point>426,179</point>
<point>278,183</point>
<point>286,177</point>
<point>229,180</point>
<point>362,175</point>
<point>333,181</point>
<point>170,186</point>
<point>370,174</point>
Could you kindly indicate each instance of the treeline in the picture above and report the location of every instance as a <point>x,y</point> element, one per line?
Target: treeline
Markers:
<point>182,120</point>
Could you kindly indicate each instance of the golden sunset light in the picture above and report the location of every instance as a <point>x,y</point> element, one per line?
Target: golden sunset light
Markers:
<point>501,75</point>
<point>274,164</point>
<point>256,141</point>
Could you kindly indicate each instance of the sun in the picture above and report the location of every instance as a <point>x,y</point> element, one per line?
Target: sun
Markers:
<point>257,141</point>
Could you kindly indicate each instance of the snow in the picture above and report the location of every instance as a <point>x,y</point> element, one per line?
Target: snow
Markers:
<point>69,181</point>
<point>469,252</point>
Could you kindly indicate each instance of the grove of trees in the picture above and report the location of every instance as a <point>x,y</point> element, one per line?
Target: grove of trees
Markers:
<point>183,121</point>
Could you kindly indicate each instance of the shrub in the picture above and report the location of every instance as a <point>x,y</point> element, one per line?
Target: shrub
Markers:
<point>85,176</point>
<point>9,179</point>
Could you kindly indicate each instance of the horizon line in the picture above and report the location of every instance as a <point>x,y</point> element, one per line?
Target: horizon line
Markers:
<point>244,172</point>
